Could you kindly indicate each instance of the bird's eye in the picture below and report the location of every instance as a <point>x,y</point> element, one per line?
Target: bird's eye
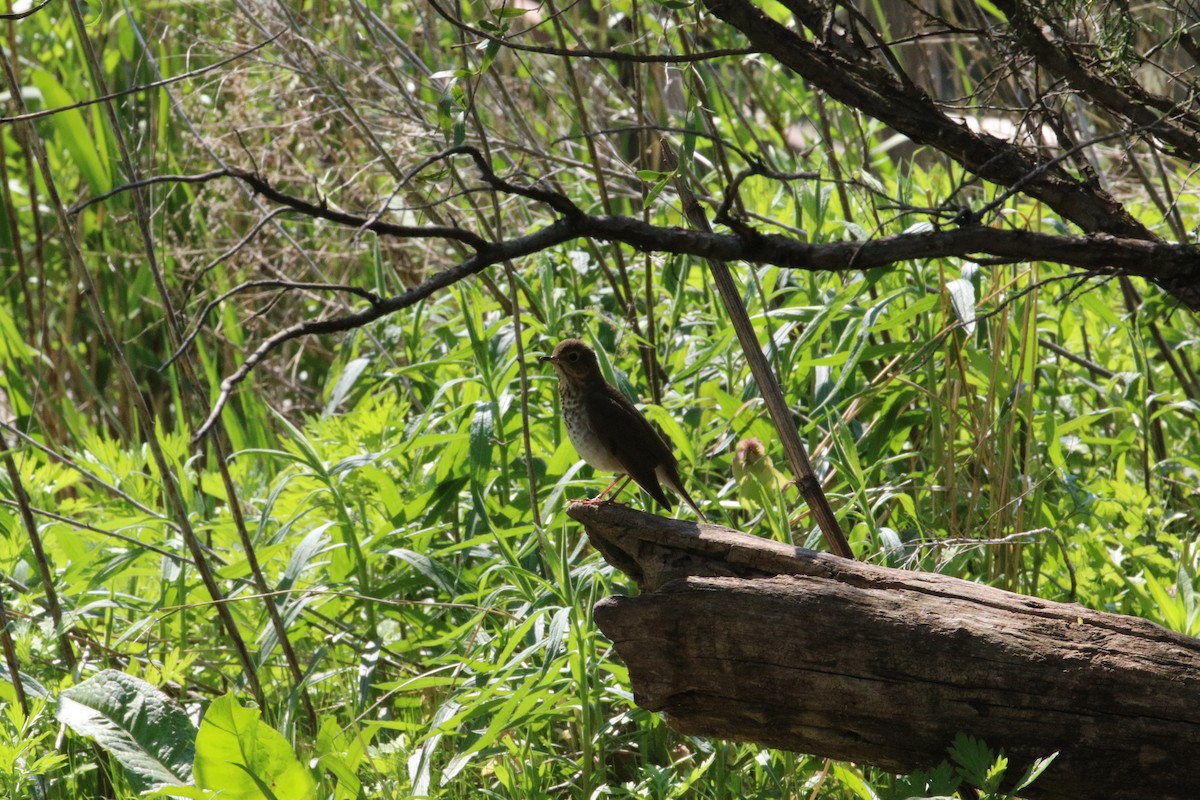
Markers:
<point>573,357</point>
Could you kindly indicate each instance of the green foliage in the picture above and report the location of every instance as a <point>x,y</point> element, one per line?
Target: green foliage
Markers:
<point>151,737</point>
<point>971,763</point>
<point>415,550</point>
<point>240,756</point>
<point>27,754</point>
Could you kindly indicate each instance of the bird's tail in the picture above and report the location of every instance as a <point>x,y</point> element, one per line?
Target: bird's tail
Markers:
<point>670,476</point>
<point>687,498</point>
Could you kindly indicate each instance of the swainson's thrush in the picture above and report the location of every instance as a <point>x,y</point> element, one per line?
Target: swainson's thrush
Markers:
<point>608,431</point>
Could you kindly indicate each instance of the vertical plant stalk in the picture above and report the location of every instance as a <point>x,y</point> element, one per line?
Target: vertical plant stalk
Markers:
<point>524,373</point>
<point>39,332</point>
<point>260,581</point>
<point>10,659</point>
<point>14,233</point>
<point>626,296</point>
<point>638,79</point>
<point>39,555</point>
<point>142,407</point>
<point>188,372</point>
<point>831,157</point>
<point>764,376</point>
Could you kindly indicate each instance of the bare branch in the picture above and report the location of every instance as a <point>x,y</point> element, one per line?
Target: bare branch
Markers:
<point>1157,115</point>
<point>27,12</point>
<point>48,112</point>
<point>1100,253</point>
<point>369,296</point>
<point>850,75</point>
<point>262,186</point>
<point>599,55</point>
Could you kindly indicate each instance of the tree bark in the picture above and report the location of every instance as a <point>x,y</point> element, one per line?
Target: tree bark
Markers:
<point>738,637</point>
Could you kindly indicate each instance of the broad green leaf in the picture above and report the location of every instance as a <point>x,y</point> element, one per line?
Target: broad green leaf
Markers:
<point>974,759</point>
<point>144,730</point>
<point>1035,769</point>
<point>240,755</point>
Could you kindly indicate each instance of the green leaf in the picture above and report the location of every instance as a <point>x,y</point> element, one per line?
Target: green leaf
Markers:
<point>490,49</point>
<point>1035,769</point>
<point>932,784</point>
<point>853,782</point>
<point>345,382</point>
<point>73,133</point>
<point>872,182</point>
<point>239,754</point>
<point>862,337</point>
<point>656,190</point>
<point>991,9</point>
<point>148,734</point>
<point>962,297</point>
<point>437,574</point>
<point>17,361</point>
<point>340,753</point>
<point>974,759</point>
<point>483,433</point>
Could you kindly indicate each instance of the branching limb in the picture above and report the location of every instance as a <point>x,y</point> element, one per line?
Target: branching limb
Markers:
<point>1101,254</point>
<point>847,71</point>
<point>1167,121</point>
<point>1167,264</point>
<point>599,55</point>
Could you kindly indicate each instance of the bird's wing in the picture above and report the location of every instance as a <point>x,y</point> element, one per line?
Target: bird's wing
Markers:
<point>631,439</point>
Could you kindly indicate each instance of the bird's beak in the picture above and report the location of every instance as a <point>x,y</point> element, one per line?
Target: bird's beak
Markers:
<point>547,359</point>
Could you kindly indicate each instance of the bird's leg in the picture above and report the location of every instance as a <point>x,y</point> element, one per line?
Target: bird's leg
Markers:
<point>624,483</point>
<point>599,499</point>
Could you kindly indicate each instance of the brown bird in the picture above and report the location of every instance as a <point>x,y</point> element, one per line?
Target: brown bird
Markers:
<point>608,431</point>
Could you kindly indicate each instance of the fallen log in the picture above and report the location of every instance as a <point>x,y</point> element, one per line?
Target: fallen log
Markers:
<point>737,637</point>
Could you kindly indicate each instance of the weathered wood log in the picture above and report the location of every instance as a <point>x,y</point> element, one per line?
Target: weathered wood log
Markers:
<point>742,638</point>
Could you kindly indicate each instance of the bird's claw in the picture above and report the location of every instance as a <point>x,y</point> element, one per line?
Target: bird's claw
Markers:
<point>592,501</point>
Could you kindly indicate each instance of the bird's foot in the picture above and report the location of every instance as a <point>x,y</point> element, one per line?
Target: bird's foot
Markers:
<point>592,501</point>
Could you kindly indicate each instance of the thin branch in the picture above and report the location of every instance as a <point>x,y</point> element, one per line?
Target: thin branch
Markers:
<point>1130,101</point>
<point>48,112</point>
<point>1101,253</point>
<point>367,295</point>
<point>1152,260</point>
<point>722,215</point>
<point>26,13</point>
<point>1078,359</point>
<point>315,210</point>
<point>45,572</point>
<point>343,323</point>
<point>245,240</point>
<point>556,200</point>
<point>850,75</point>
<point>599,55</point>
<point>133,542</point>
<point>203,177</point>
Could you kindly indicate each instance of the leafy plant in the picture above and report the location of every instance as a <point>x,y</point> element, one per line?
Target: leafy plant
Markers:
<point>383,508</point>
<point>971,763</point>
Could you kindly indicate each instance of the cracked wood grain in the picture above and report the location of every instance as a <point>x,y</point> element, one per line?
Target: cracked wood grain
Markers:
<point>742,638</point>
